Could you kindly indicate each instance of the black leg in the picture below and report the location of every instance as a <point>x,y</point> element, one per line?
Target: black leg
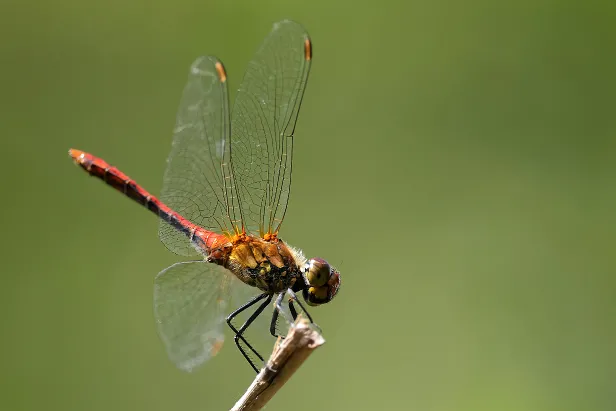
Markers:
<point>231,316</point>
<point>292,309</point>
<point>276,314</point>
<point>280,310</point>
<point>244,327</point>
<point>273,324</point>
<point>293,312</point>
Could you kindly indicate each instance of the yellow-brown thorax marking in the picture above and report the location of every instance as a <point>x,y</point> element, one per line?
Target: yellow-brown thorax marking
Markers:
<point>266,264</point>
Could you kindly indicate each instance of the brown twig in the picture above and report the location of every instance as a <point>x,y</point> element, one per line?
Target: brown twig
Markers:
<point>286,358</point>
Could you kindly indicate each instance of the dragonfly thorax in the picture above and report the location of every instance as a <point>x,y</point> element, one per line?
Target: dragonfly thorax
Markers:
<point>269,265</point>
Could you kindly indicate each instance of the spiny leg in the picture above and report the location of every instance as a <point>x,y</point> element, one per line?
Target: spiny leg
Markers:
<point>244,327</point>
<point>275,319</point>
<point>292,309</point>
<point>231,316</point>
<point>276,314</point>
<point>292,298</point>
<point>273,323</point>
<point>293,312</point>
<point>280,310</point>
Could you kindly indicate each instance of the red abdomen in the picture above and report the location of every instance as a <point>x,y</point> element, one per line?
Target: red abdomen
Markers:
<point>99,168</point>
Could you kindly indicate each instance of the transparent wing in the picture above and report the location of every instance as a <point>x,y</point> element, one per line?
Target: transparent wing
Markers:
<point>197,180</point>
<point>191,300</point>
<point>264,117</point>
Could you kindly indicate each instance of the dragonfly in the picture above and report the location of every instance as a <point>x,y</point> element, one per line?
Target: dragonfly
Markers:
<point>223,200</point>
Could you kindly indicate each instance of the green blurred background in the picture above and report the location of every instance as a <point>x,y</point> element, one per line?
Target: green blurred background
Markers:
<point>456,161</point>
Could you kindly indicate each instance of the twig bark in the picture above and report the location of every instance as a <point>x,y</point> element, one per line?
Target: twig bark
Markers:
<point>286,358</point>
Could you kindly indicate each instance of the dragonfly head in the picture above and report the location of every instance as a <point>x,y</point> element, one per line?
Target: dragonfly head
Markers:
<point>322,282</point>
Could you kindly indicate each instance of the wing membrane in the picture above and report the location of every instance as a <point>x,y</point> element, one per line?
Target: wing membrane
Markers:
<point>190,303</point>
<point>197,182</point>
<point>264,117</point>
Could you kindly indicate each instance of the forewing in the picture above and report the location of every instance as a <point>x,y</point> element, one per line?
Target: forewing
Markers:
<point>197,181</point>
<point>264,116</point>
<point>190,304</point>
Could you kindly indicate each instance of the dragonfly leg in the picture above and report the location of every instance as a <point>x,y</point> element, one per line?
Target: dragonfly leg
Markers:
<point>245,326</point>
<point>274,322</point>
<point>292,298</point>
<point>238,332</point>
<point>276,313</point>
<point>292,309</point>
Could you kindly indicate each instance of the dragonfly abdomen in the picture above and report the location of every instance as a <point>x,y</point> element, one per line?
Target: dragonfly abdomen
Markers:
<point>99,168</point>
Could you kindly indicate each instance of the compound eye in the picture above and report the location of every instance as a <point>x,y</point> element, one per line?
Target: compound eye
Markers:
<point>318,272</point>
<point>323,282</point>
